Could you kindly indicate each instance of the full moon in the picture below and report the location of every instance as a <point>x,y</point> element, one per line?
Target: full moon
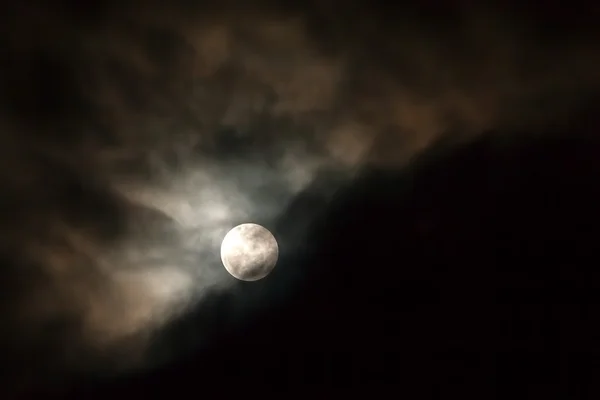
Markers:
<point>249,252</point>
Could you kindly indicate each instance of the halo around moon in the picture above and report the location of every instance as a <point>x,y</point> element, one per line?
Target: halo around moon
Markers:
<point>249,252</point>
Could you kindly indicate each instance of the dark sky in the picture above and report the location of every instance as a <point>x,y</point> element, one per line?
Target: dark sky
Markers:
<point>431,174</point>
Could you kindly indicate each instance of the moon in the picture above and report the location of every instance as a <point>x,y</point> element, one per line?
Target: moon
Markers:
<point>249,252</point>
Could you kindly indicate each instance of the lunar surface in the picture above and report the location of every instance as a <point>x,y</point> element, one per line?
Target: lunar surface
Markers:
<point>249,252</point>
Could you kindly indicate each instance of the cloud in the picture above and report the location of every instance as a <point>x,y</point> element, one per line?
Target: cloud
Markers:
<point>132,143</point>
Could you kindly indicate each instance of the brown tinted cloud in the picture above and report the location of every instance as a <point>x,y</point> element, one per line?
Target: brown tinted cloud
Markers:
<point>142,98</point>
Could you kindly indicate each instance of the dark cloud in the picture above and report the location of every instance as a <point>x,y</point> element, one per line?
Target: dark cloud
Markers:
<point>135,136</point>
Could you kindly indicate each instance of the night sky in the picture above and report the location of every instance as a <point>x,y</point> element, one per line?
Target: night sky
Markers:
<point>430,172</point>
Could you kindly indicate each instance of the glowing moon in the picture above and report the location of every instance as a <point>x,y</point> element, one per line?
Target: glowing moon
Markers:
<point>249,252</point>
